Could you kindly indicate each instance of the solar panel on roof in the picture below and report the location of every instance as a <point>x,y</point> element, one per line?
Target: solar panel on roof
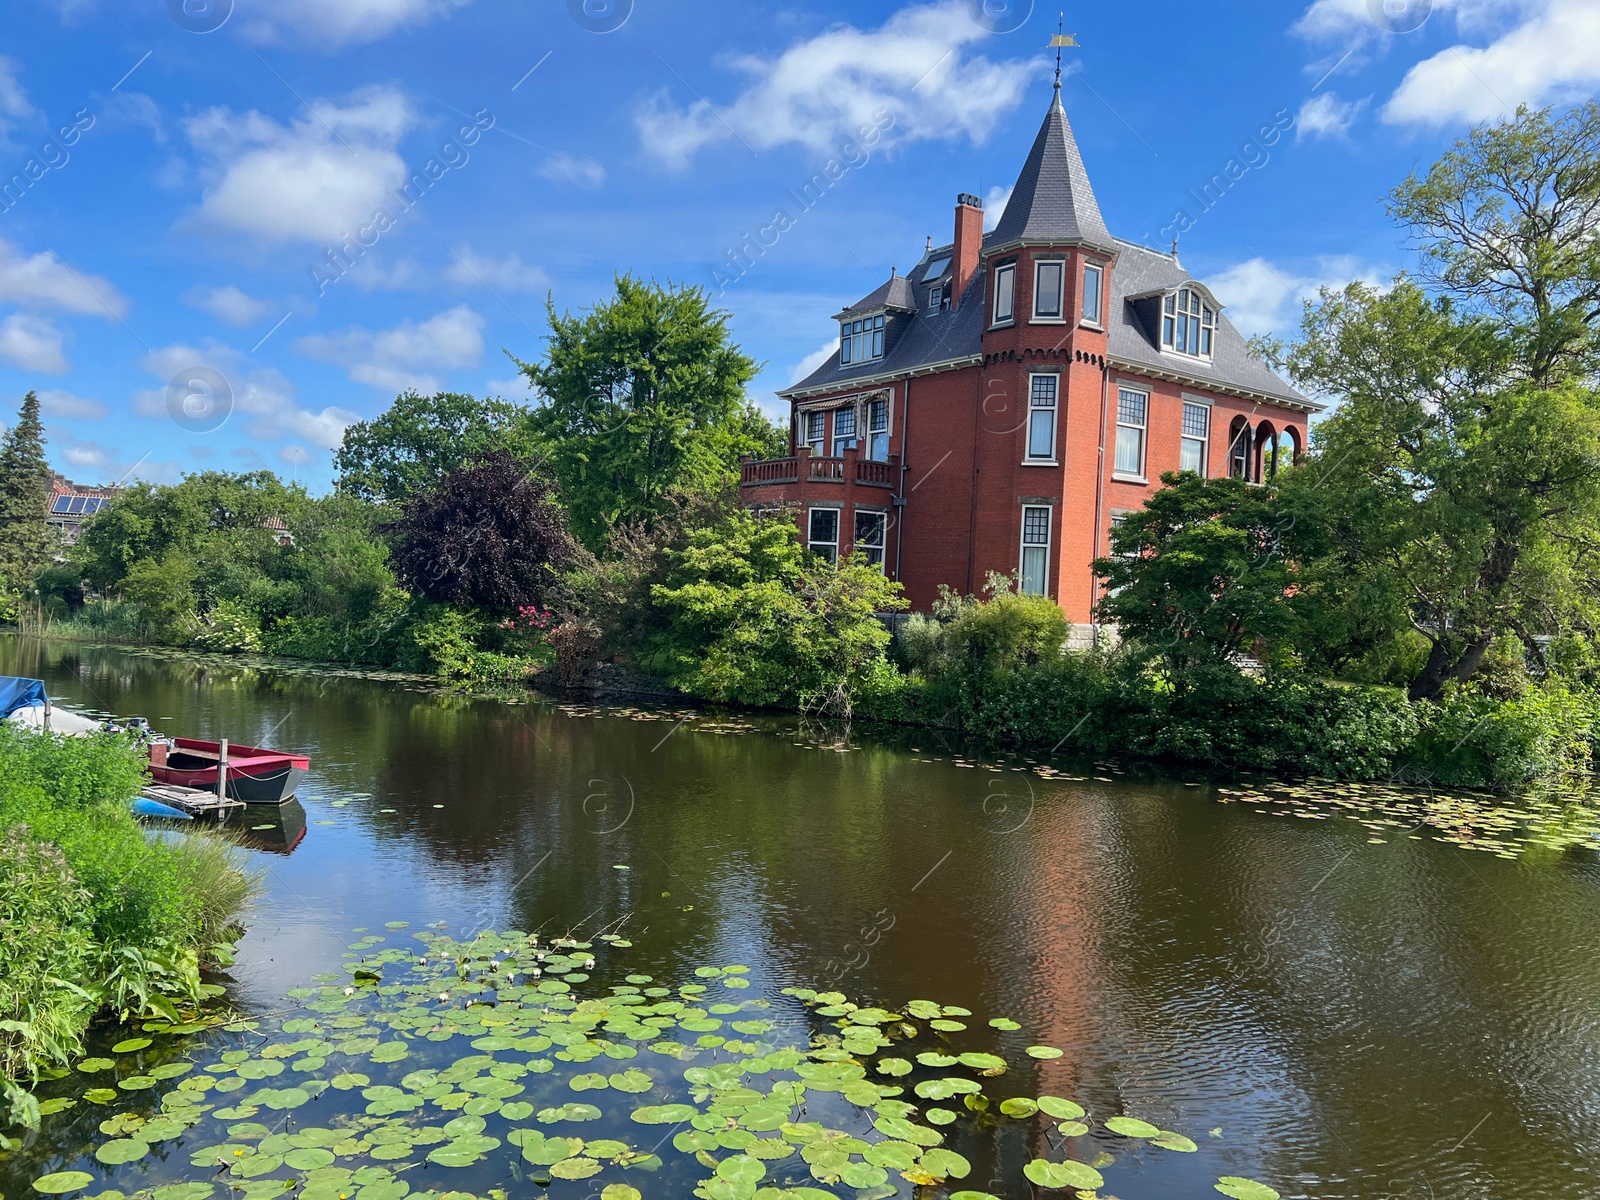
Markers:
<point>76,506</point>
<point>92,505</point>
<point>60,506</point>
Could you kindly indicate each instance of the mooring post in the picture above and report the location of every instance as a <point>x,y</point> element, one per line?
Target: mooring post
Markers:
<point>47,715</point>
<point>222,772</point>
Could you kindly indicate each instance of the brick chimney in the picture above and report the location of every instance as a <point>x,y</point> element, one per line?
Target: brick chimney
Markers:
<point>968,244</point>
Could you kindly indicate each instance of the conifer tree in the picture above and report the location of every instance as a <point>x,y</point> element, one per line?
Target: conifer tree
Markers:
<point>24,499</point>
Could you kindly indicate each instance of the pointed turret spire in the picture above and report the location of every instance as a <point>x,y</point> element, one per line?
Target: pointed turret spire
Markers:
<point>1053,200</point>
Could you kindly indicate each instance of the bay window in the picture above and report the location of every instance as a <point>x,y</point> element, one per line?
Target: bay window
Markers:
<point>1093,281</point>
<point>1005,286</point>
<point>1047,279</point>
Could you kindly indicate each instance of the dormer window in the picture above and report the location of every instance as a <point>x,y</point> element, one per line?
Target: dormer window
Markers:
<point>1188,323</point>
<point>938,297</point>
<point>860,340</point>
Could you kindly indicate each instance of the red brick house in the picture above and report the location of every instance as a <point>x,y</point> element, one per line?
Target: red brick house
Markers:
<point>1001,405</point>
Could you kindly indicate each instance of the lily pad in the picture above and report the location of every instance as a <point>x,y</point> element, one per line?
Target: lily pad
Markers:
<point>1061,1110</point>
<point>1068,1174</point>
<point>1043,1052</point>
<point>123,1150</point>
<point>1168,1140</point>
<point>62,1182</point>
<point>1133,1127</point>
<point>130,1045</point>
<point>664,1114</point>
<point>1235,1186</point>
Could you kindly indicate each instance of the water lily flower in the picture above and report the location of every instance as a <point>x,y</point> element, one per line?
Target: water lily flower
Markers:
<point>349,991</point>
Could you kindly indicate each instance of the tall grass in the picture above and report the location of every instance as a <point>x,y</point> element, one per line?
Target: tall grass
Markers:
<point>96,916</point>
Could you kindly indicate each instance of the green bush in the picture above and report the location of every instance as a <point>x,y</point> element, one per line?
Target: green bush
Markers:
<point>1470,739</point>
<point>44,938</point>
<point>231,627</point>
<point>746,616</point>
<point>125,919</point>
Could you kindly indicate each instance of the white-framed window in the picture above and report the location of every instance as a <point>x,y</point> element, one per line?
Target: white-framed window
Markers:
<point>860,340</point>
<point>1196,437</point>
<point>1188,324</point>
<point>938,297</point>
<point>1094,276</point>
<point>1005,289</point>
<point>1042,406</point>
<point>1035,565</point>
<point>1133,412</point>
<point>872,532</point>
<point>822,533</point>
<point>878,430</point>
<point>816,432</point>
<point>844,430</point>
<point>1047,280</point>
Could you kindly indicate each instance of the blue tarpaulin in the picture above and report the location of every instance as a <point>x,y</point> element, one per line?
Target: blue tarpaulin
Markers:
<point>20,693</point>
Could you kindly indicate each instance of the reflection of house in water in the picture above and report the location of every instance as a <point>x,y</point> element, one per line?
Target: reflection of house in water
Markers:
<point>71,504</point>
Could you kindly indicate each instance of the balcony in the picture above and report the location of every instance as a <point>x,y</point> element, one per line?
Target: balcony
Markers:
<point>805,470</point>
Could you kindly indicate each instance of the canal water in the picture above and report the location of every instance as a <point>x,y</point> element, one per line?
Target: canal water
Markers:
<point>1336,1007</point>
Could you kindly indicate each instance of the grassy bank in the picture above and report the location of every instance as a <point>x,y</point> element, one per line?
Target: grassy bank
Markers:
<point>96,916</point>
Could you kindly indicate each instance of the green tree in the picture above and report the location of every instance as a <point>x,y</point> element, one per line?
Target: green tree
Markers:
<point>1508,223</point>
<point>419,439</point>
<point>1458,481</point>
<point>24,498</point>
<point>1200,573</point>
<point>641,397</point>
<point>747,616</point>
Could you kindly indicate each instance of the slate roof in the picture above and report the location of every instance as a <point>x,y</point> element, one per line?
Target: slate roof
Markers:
<point>895,293</point>
<point>1053,200</point>
<point>1054,203</point>
<point>1140,270</point>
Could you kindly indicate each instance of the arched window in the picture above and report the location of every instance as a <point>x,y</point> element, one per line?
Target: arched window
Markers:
<point>1239,448</point>
<point>1289,439</point>
<point>1264,461</point>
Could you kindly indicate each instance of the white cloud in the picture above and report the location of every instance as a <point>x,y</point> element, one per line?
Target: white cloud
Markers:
<point>228,304</point>
<point>570,168</point>
<point>515,388</point>
<point>914,78</point>
<point>13,100</point>
<point>994,205</point>
<point>319,24</point>
<point>371,276</point>
<point>264,399</point>
<point>813,360</point>
<point>109,464</point>
<point>1261,297</point>
<point>1326,116</point>
<point>316,180</point>
<point>509,274</point>
<point>44,281</point>
<point>64,406</point>
<point>399,358</point>
<point>1551,56</point>
<point>32,343</point>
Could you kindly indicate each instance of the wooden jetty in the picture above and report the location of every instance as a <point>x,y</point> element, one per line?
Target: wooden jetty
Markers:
<point>190,801</point>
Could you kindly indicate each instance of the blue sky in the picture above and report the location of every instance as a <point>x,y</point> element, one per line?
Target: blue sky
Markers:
<point>183,234</point>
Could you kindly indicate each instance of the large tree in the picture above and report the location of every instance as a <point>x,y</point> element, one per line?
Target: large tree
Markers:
<point>24,498</point>
<point>642,396</point>
<point>490,535</point>
<point>1460,472</point>
<point>420,439</point>
<point>1201,573</point>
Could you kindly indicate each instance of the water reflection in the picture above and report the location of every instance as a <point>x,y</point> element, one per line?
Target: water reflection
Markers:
<point>1353,1019</point>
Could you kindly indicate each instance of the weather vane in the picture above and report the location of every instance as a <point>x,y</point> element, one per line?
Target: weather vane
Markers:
<point>1060,40</point>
